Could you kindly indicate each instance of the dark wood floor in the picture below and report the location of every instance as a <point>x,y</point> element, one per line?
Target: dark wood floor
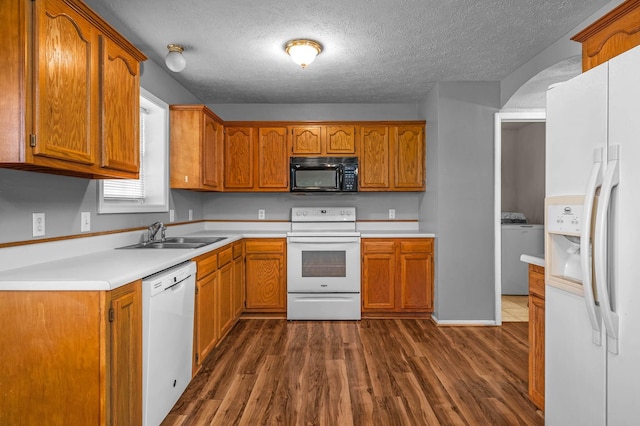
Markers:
<point>372,372</point>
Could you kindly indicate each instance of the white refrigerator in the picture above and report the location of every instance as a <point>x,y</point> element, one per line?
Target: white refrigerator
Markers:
<point>592,244</point>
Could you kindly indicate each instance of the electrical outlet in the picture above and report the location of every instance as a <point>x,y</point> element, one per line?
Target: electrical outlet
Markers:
<point>38,224</point>
<point>392,213</point>
<point>172,215</point>
<point>261,213</point>
<point>190,214</point>
<point>85,222</point>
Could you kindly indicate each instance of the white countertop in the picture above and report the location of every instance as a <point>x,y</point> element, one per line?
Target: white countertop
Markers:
<point>103,270</point>
<point>533,259</point>
<point>395,234</point>
<point>94,264</point>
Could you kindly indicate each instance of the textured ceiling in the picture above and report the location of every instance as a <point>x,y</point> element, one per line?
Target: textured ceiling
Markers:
<point>375,51</point>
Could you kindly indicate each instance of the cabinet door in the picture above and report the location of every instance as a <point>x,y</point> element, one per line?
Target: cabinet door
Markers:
<point>341,140</point>
<point>212,153</point>
<point>238,158</point>
<point>238,286</point>
<point>409,158</point>
<point>65,85</point>
<point>120,115</point>
<point>374,173</point>
<point>126,355</point>
<point>306,140</point>
<point>416,285</point>
<point>265,281</point>
<point>224,302</point>
<point>273,159</point>
<point>206,337</point>
<point>536,350</point>
<point>378,275</point>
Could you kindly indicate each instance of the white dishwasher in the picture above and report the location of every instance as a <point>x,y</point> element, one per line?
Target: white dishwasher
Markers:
<point>167,343</point>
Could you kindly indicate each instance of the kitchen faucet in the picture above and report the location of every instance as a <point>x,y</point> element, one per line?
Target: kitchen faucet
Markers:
<point>154,229</point>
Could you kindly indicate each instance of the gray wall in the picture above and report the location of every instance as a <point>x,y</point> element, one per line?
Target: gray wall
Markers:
<point>462,203</point>
<point>523,171</point>
<point>62,198</point>
<point>312,112</point>
<point>372,206</point>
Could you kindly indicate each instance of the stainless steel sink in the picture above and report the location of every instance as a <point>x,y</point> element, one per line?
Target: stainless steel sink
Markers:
<point>177,243</point>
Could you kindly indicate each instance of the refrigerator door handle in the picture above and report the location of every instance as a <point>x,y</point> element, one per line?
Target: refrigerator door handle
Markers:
<point>611,179</point>
<point>595,180</point>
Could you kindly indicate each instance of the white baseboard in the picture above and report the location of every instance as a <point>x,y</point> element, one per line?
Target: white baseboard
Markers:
<point>464,322</point>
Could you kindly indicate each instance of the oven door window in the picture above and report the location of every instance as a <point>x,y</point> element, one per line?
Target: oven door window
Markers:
<point>324,264</point>
<point>317,178</point>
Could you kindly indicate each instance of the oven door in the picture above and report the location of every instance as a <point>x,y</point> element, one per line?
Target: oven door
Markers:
<point>323,264</point>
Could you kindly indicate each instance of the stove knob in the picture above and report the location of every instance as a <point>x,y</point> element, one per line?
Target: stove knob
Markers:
<point>341,212</point>
<point>297,213</point>
<point>304,213</point>
<point>348,212</point>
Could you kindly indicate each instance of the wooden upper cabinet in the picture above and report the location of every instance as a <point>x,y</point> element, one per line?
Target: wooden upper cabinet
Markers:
<point>66,84</point>
<point>392,158</point>
<point>374,164</point>
<point>410,160</point>
<point>306,140</point>
<point>120,100</point>
<point>273,159</point>
<point>340,140</point>
<point>70,86</point>
<point>196,148</point>
<point>614,33</point>
<point>323,140</point>
<point>238,158</point>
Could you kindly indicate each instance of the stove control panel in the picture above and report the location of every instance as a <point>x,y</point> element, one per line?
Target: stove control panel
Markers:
<point>323,214</point>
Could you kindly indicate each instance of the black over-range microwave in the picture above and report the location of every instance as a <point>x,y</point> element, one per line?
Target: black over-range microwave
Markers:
<point>324,174</point>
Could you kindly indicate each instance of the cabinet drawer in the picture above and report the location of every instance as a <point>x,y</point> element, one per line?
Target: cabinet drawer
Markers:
<point>417,246</point>
<point>237,250</point>
<point>225,256</point>
<point>264,246</point>
<point>206,264</point>
<point>536,283</point>
<point>378,246</point>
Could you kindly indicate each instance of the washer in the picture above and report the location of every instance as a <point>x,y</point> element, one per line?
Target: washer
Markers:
<point>518,238</point>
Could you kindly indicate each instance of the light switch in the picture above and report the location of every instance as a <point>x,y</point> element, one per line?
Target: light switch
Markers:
<point>392,213</point>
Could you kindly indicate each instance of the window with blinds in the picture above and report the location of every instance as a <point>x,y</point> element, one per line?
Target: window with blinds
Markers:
<point>129,189</point>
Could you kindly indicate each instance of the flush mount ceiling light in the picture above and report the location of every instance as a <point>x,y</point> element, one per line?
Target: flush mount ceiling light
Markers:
<point>303,52</point>
<point>174,59</point>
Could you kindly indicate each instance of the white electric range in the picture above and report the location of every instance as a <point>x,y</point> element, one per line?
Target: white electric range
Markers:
<point>323,264</point>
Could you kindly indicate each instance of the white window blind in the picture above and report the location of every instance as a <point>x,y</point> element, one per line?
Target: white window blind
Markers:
<point>129,189</point>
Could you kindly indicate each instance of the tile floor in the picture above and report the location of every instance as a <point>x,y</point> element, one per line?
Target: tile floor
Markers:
<point>515,309</point>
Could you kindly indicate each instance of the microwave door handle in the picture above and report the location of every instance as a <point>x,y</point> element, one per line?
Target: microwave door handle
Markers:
<point>340,178</point>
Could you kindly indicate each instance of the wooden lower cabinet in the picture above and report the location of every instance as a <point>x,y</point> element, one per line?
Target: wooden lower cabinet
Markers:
<point>219,298</point>
<point>71,357</point>
<point>397,276</point>
<point>204,327</point>
<point>265,275</point>
<point>238,279</point>
<point>536,335</point>
<point>224,295</point>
